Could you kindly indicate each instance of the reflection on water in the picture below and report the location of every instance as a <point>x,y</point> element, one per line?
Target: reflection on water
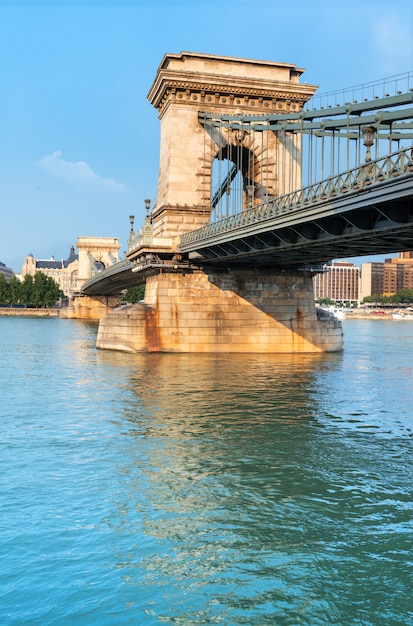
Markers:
<point>207,489</point>
<point>255,496</point>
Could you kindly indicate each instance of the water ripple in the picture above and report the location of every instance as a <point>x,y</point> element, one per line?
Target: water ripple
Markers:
<point>203,489</point>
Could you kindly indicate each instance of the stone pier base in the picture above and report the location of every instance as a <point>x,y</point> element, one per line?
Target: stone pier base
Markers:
<point>237,311</point>
<point>87,308</point>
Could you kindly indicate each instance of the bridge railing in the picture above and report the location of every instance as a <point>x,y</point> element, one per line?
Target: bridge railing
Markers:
<point>395,164</point>
<point>384,88</point>
<point>116,268</point>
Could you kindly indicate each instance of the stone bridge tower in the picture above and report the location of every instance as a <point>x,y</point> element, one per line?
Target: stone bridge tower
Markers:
<point>189,83</point>
<point>243,310</point>
<point>96,253</point>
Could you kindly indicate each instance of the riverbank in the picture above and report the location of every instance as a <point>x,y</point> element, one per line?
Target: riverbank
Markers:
<point>23,312</point>
<point>368,315</point>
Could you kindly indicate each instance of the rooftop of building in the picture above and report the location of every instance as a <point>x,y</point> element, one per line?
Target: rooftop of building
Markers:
<point>52,264</point>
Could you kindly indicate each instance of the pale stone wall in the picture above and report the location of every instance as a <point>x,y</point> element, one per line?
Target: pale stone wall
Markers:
<point>234,312</point>
<point>87,308</point>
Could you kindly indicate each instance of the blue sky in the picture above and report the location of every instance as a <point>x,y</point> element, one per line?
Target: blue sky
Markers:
<point>79,142</point>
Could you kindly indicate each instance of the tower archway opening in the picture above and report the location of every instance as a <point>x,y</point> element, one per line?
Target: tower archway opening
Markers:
<point>232,181</point>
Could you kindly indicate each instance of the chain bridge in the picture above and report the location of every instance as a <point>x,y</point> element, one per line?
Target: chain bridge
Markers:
<point>260,183</point>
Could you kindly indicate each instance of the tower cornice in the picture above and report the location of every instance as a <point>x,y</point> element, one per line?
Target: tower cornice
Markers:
<point>207,80</point>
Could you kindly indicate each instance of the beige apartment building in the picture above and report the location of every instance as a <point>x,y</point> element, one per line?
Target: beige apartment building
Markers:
<point>398,273</point>
<point>339,282</point>
<point>344,282</point>
<point>371,279</point>
<point>387,278</point>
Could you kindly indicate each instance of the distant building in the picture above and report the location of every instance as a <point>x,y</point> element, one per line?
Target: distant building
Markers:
<point>63,272</point>
<point>8,273</point>
<point>95,254</point>
<point>339,282</point>
<point>387,278</point>
<point>372,279</point>
<point>398,273</point>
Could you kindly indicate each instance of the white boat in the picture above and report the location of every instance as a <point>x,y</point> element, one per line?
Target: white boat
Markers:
<point>337,311</point>
<point>402,315</point>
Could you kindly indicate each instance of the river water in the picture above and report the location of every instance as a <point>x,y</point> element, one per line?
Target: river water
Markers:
<point>205,489</point>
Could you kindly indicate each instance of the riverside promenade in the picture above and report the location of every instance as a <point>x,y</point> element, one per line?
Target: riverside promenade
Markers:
<point>376,314</point>
<point>22,311</point>
<point>369,315</point>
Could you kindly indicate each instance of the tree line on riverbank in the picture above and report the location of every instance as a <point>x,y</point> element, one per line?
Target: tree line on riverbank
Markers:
<point>34,291</point>
<point>402,297</point>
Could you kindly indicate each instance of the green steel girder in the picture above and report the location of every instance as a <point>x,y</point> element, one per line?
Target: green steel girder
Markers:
<point>348,109</point>
<point>326,122</point>
<point>386,118</point>
<point>340,134</point>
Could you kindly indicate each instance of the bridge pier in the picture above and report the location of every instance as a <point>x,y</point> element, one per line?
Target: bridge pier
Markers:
<point>233,311</point>
<point>88,308</point>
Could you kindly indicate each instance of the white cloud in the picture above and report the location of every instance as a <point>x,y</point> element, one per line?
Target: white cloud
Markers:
<point>79,172</point>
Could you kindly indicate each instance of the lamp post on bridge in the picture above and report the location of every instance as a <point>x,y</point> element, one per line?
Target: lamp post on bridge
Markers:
<point>131,232</point>
<point>147,227</point>
<point>368,141</point>
<point>147,206</point>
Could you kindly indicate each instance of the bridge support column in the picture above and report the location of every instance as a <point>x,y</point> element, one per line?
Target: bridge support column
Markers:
<point>87,308</point>
<point>238,311</point>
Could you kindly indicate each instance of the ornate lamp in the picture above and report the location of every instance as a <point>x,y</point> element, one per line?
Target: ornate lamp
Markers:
<point>368,140</point>
<point>147,228</point>
<point>132,220</point>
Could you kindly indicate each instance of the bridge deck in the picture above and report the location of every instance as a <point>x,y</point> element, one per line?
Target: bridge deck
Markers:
<point>376,219</point>
<point>365,211</point>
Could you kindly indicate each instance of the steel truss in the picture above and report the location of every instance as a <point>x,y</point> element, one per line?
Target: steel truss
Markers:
<point>331,141</point>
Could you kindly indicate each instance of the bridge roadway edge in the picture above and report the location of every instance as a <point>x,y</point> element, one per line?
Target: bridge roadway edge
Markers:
<point>249,311</point>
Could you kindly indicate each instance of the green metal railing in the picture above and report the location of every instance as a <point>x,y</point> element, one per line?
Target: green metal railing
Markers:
<point>396,164</point>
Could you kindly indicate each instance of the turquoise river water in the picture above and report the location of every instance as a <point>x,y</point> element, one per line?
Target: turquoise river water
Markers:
<point>205,489</point>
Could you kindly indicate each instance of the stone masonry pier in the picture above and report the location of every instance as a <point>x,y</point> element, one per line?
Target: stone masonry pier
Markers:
<point>249,311</point>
